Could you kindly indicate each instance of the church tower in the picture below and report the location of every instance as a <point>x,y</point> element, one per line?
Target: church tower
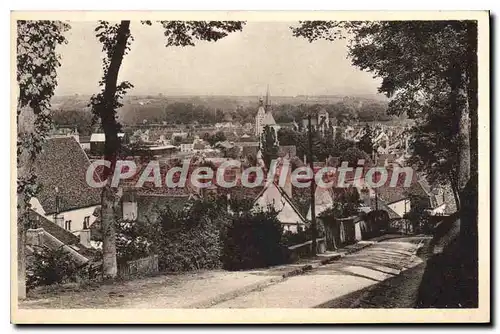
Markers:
<point>259,118</point>
<point>264,118</point>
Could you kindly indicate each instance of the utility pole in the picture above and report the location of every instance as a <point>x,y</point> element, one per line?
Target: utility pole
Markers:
<point>313,189</point>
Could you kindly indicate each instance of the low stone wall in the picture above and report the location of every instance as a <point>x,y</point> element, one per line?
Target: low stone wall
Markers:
<point>305,249</point>
<point>144,266</point>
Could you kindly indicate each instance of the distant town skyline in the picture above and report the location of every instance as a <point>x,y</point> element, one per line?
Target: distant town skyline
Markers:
<point>242,64</point>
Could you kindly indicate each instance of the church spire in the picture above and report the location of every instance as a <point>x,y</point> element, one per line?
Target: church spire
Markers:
<point>267,99</point>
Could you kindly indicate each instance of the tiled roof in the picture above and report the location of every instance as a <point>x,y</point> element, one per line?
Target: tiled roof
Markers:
<point>291,150</point>
<point>240,192</point>
<point>63,164</point>
<point>392,194</point>
<point>63,235</point>
<point>84,139</point>
<point>247,143</point>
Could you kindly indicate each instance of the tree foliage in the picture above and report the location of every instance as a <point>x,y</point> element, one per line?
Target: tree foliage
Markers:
<point>116,41</point>
<point>36,70</point>
<point>353,155</point>
<point>346,204</point>
<point>253,240</point>
<point>269,146</point>
<point>219,136</point>
<point>366,142</point>
<point>37,63</point>
<point>421,64</point>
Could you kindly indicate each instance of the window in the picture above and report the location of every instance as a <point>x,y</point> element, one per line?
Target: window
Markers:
<point>67,225</point>
<point>86,222</point>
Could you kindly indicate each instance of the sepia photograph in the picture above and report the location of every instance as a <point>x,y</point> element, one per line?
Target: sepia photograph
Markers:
<point>250,167</point>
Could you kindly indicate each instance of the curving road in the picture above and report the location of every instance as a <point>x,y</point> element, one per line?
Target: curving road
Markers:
<point>342,283</point>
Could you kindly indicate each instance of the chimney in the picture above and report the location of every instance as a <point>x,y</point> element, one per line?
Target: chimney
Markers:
<point>85,238</point>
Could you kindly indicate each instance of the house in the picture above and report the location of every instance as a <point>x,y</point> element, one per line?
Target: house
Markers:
<point>85,142</point>
<point>323,201</point>
<point>276,197</point>
<point>438,201</point>
<point>65,132</point>
<point>148,206</point>
<point>323,121</point>
<point>44,233</point>
<point>187,147</point>
<point>162,150</point>
<point>394,200</point>
<point>181,135</point>
<point>224,125</point>
<point>140,136</point>
<point>64,197</point>
<point>97,141</point>
<point>305,123</point>
<point>199,146</point>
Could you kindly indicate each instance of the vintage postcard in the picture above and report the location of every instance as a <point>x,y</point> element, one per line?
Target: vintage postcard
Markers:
<point>250,167</point>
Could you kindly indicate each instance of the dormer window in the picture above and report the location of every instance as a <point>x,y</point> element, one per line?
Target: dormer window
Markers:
<point>67,225</point>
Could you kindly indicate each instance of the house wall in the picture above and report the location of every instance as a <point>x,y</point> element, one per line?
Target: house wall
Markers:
<point>85,146</point>
<point>400,207</point>
<point>439,211</point>
<point>129,210</point>
<point>290,227</point>
<point>287,215</point>
<point>186,147</point>
<point>76,216</point>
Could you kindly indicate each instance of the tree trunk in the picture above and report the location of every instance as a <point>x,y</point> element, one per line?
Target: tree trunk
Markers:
<point>21,249</point>
<point>25,161</point>
<point>464,145</point>
<point>456,193</point>
<point>472,90</point>
<point>109,263</point>
<point>111,146</point>
<point>460,110</point>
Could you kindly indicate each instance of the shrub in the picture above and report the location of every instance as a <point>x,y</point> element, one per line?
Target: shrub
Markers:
<point>132,241</point>
<point>183,240</point>
<point>253,240</point>
<point>191,248</point>
<point>46,266</point>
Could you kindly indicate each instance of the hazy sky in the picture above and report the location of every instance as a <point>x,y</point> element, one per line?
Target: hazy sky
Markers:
<point>241,64</point>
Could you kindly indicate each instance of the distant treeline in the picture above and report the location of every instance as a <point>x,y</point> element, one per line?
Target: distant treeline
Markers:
<point>73,110</point>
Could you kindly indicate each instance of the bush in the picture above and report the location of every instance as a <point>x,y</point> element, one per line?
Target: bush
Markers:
<point>132,241</point>
<point>253,240</point>
<point>190,249</point>
<point>46,267</point>
<point>183,240</point>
